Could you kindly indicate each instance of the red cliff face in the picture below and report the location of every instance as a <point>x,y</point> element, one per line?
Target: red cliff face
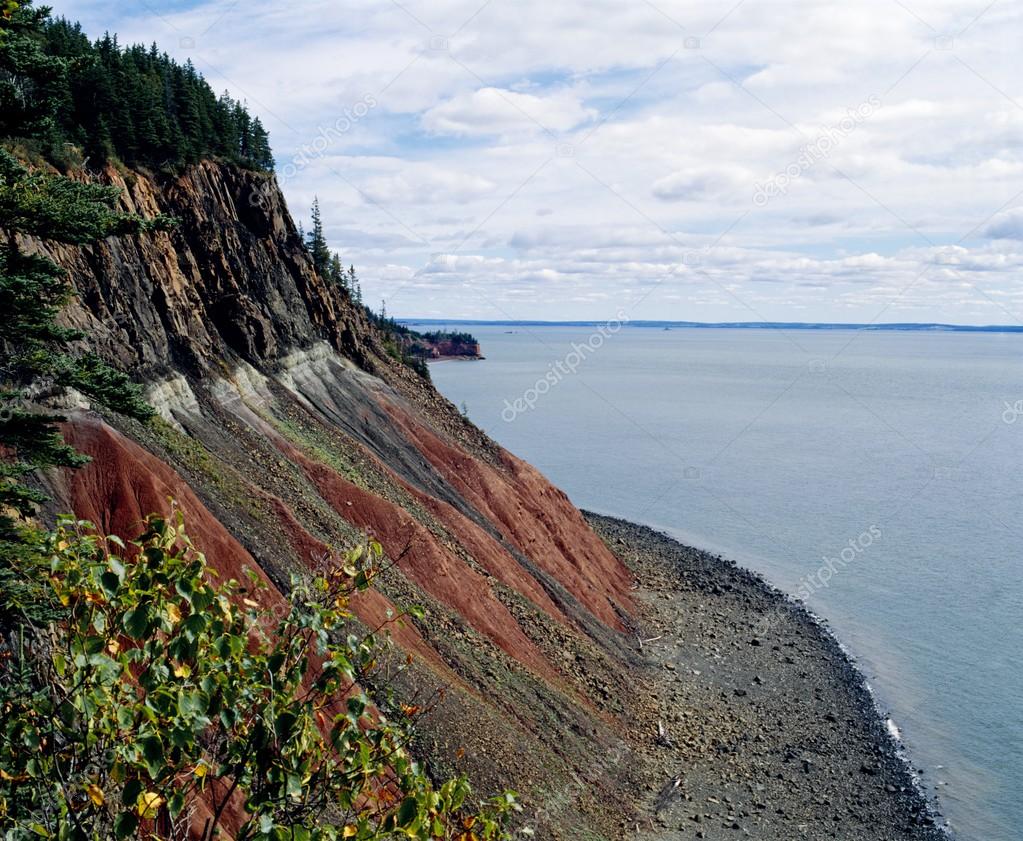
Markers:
<point>287,429</point>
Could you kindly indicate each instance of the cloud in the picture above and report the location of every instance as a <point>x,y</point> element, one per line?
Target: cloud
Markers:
<point>700,183</point>
<point>493,111</point>
<point>1008,225</point>
<point>453,189</point>
<point>425,184</point>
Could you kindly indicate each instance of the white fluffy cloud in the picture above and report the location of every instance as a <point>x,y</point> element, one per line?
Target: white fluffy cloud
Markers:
<point>700,183</point>
<point>694,160</point>
<point>492,111</point>
<point>1008,225</point>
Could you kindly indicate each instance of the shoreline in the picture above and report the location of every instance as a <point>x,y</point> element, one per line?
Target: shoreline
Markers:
<point>771,728</point>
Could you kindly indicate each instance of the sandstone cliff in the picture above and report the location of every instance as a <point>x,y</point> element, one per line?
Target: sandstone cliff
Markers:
<point>285,428</point>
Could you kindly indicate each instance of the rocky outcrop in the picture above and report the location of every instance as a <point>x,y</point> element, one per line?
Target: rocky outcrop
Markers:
<point>445,346</point>
<point>285,428</point>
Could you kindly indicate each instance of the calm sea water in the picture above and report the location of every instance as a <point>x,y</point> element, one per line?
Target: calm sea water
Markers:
<point>899,456</point>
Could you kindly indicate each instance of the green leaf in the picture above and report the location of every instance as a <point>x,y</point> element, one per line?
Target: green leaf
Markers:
<point>193,626</point>
<point>110,583</point>
<point>152,753</point>
<point>192,704</point>
<point>176,804</point>
<point>130,793</point>
<point>125,825</point>
<point>136,622</point>
<point>408,811</point>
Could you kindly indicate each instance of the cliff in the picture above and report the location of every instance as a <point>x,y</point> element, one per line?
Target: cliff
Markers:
<point>675,696</point>
<point>286,428</point>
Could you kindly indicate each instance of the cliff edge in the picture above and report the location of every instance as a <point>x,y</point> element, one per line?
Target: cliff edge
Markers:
<point>286,428</point>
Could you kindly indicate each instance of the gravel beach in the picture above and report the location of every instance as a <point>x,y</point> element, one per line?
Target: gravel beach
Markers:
<point>764,728</point>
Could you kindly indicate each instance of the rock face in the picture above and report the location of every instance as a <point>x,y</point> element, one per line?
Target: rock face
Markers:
<point>286,429</point>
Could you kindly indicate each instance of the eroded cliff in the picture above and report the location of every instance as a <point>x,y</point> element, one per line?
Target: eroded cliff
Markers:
<point>286,429</point>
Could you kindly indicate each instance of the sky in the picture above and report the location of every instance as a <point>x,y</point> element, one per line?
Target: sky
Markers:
<point>625,159</point>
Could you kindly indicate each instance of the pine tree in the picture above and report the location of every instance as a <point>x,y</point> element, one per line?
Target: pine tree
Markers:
<point>260,156</point>
<point>135,104</point>
<point>354,286</point>
<point>29,78</point>
<point>338,276</point>
<point>317,243</point>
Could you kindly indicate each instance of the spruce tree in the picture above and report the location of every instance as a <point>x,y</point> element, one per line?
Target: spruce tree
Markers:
<point>134,104</point>
<point>261,157</point>
<point>337,272</point>
<point>38,357</point>
<point>354,286</point>
<point>317,243</point>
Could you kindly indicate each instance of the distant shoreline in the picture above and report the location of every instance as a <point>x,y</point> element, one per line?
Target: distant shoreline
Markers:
<point>733,325</point>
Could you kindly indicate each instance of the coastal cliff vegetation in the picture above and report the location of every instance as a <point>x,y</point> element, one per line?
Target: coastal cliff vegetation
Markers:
<point>140,698</point>
<point>69,98</point>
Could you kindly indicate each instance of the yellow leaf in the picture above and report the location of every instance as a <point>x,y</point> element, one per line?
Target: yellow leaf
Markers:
<point>182,670</point>
<point>173,613</point>
<point>95,794</point>
<point>200,770</point>
<point>349,832</point>
<point>148,805</point>
<point>113,647</point>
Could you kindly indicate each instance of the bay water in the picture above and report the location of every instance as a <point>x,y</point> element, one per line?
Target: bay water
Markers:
<point>877,475</point>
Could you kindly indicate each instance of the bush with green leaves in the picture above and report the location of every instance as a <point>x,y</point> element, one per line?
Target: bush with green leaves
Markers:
<point>157,704</point>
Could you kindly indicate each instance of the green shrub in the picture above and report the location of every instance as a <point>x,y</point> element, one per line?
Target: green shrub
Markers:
<point>155,700</point>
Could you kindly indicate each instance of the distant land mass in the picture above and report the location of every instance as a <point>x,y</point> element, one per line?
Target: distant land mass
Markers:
<point>730,325</point>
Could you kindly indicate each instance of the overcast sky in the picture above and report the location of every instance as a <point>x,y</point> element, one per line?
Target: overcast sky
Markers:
<point>813,161</point>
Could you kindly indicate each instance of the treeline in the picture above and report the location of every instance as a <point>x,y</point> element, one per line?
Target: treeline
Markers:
<point>457,338</point>
<point>134,104</point>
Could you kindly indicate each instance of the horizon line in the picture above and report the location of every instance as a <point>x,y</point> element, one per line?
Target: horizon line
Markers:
<point>764,325</point>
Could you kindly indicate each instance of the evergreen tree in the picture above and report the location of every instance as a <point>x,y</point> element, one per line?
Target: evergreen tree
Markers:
<point>135,104</point>
<point>260,156</point>
<point>29,78</point>
<point>36,354</point>
<point>337,272</point>
<point>317,243</point>
<point>354,286</point>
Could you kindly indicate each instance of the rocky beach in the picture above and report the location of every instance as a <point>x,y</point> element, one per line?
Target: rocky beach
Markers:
<point>764,727</point>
